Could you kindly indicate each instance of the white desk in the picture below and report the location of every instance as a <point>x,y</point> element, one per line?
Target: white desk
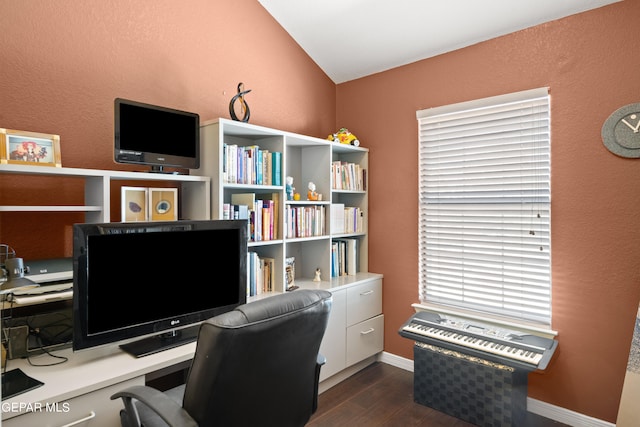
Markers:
<point>79,389</point>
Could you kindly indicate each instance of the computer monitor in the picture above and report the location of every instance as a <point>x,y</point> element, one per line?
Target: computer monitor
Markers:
<point>153,279</point>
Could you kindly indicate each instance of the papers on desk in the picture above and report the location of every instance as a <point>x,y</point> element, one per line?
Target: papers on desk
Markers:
<point>42,294</point>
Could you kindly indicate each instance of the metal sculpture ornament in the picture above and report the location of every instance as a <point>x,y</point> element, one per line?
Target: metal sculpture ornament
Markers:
<point>243,104</point>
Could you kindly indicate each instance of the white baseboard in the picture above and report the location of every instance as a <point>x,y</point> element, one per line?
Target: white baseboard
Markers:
<point>563,415</point>
<point>544,409</point>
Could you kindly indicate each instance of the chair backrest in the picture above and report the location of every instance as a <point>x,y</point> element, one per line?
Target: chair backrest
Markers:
<point>256,365</point>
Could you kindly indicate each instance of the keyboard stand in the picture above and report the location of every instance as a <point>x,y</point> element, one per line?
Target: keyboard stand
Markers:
<point>473,389</point>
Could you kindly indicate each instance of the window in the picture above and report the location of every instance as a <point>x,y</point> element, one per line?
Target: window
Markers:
<point>484,221</point>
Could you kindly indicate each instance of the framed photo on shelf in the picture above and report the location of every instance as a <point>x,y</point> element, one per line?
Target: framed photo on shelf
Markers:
<point>29,148</point>
<point>163,204</point>
<point>290,273</point>
<point>134,204</point>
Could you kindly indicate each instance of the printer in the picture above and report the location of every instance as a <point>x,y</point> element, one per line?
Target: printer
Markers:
<point>39,319</point>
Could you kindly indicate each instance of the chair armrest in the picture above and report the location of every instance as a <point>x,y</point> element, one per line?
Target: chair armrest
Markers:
<point>169,410</point>
<point>321,360</point>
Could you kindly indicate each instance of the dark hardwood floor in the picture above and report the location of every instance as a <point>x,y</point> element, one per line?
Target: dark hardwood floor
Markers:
<point>382,395</point>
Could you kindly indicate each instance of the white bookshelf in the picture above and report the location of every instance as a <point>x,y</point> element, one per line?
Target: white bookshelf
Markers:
<point>355,333</point>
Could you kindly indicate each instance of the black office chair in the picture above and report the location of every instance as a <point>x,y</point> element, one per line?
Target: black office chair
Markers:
<point>258,365</point>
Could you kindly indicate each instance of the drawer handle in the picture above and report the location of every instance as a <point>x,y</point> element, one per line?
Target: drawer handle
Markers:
<point>365,293</point>
<point>81,420</point>
<point>367,332</point>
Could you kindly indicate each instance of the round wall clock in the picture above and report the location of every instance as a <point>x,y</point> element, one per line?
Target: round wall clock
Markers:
<point>621,131</point>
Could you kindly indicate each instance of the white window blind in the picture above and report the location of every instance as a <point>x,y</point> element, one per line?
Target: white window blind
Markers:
<point>484,221</point>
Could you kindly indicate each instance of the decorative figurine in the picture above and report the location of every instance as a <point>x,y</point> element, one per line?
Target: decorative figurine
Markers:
<point>317,278</point>
<point>312,194</point>
<point>243,104</point>
<point>289,188</point>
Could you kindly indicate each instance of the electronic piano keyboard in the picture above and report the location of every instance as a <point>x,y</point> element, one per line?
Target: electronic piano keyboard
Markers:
<point>509,347</point>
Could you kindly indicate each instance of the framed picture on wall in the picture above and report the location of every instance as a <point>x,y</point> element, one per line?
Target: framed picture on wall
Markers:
<point>29,148</point>
<point>134,204</point>
<point>163,204</point>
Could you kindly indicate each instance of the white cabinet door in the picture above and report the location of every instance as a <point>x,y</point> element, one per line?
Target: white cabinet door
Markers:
<point>333,346</point>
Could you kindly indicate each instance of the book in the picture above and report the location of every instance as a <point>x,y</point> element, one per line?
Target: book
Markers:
<point>250,284</point>
<point>336,258</point>
<point>276,168</point>
<point>247,199</point>
<point>266,161</point>
<point>259,177</point>
<point>275,213</point>
<point>240,212</point>
<point>259,272</point>
<point>269,272</point>
<point>351,267</point>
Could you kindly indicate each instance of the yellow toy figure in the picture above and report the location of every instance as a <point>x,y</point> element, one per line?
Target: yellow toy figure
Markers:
<point>343,136</point>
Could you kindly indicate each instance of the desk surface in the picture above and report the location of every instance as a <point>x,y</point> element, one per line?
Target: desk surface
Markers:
<point>87,371</point>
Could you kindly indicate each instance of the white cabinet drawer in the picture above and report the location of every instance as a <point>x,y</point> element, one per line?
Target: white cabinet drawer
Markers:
<point>95,409</point>
<point>364,301</point>
<point>365,339</point>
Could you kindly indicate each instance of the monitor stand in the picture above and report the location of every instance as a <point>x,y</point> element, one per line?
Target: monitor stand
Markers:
<point>160,169</point>
<point>161,342</point>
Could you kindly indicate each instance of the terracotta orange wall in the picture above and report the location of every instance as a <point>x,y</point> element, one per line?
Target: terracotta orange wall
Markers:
<point>63,63</point>
<point>590,63</point>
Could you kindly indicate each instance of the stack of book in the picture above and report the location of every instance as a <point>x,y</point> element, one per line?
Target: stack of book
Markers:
<point>260,274</point>
<point>346,219</point>
<point>261,213</point>
<point>305,221</point>
<point>251,165</point>
<point>344,257</point>
<point>348,176</point>
<point>353,220</point>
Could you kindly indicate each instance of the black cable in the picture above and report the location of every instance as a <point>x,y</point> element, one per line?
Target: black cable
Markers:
<point>62,360</point>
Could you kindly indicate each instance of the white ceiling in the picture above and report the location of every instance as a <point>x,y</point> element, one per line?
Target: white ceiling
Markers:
<point>350,39</point>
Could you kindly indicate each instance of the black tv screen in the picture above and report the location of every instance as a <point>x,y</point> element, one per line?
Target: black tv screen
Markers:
<point>138,279</point>
<point>156,136</point>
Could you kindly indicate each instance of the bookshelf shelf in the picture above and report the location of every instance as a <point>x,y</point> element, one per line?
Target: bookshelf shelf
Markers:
<point>50,208</point>
<point>265,243</point>
<point>349,192</point>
